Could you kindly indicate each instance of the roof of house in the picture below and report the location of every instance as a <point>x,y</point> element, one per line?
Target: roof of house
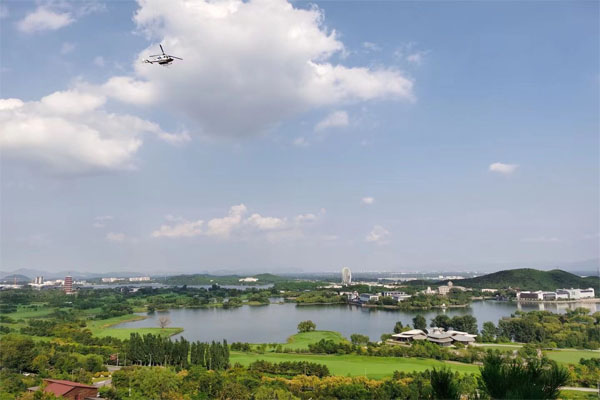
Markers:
<point>60,387</point>
<point>463,338</point>
<point>440,340</point>
<point>410,333</point>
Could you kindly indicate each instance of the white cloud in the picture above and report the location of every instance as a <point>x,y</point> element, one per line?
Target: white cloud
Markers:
<point>371,46</point>
<point>67,48</point>
<point>116,237</point>
<point>504,169</point>
<point>540,239</point>
<point>336,119</point>
<point>235,223</point>
<point>300,142</point>
<point>43,19</point>
<point>409,53</point>
<point>70,132</point>
<point>368,200</point>
<point>100,222</point>
<point>182,229</point>
<point>378,235</point>
<point>3,11</point>
<point>99,61</point>
<point>260,61</point>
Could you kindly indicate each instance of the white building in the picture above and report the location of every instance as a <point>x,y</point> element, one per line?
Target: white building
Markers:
<point>587,293</point>
<point>139,279</point>
<point>398,296</point>
<point>39,280</point>
<point>110,280</point>
<point>248,279</point>
<point>527,295</point>
<point>366,297</point>
<point>346,276</point>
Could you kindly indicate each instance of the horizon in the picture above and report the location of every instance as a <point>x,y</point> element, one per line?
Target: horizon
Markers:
<point>299,136</point>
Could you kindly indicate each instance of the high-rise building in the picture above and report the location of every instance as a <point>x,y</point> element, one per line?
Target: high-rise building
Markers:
<point>39,280</point>
<point>346,276</point>
<point>68,288</point>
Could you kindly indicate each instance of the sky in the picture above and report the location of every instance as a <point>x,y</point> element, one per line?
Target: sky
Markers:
<point>298,136</point>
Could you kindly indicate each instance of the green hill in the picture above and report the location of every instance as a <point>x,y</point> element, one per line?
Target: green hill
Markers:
<point>531,279</point>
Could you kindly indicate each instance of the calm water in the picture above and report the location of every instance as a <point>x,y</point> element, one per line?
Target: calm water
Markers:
<point>276,322</point>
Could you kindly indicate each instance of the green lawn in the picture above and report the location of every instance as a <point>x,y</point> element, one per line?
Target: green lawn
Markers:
<point>353,365</point>
<point>302,340</point>
<point>500,347</point>
<point>571,356</point>
<point>577,395</point>
<point>103,328</point>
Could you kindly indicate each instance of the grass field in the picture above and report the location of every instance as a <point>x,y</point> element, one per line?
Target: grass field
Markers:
<point>571,356</point>
<point>353,365</point>
<point>503,347</point>
<point>103,328</point>
<point>577,395</point>
<point>302,340</point>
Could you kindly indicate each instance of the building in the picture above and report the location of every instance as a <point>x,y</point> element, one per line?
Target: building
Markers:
<point>489,290</point>
<point>140,279</point>
<point>366,297</point>
<point>398,296</point>
<point>428,291</point>
<point>444,290</point>
<point>110,280</point>
<point>248,279</point>
<point>68,286</point>
<point>549,296</point>
<point>587,293</point>
<point>539,295</point>
<point>409,336</point>
<point>346,276</point>
<point>68,390</point>
<point>39,280</point>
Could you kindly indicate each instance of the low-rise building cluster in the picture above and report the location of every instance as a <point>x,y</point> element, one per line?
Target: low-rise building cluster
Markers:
<point>559,294</point>
<point>434,335</point>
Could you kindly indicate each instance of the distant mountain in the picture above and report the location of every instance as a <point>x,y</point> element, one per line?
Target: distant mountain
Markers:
<point>18,278</point>
<point>531,279</point>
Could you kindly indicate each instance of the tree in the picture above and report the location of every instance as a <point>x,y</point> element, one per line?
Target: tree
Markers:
<point>17,352</point>
<point>444,385</point>
<point>399,327</point>
<point>306,326</point>
<point>538,379</point>
<point>466,323</point>
<point>489,331</point>
<point>419,322</point>
<point>358,339</point>
<point>441,321</point>
<point>163,321</point>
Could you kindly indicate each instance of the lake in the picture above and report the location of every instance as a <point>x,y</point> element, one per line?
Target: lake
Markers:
<point>276,322</point>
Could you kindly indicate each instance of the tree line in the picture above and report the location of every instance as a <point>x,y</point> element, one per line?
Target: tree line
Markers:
<point>152,350</point>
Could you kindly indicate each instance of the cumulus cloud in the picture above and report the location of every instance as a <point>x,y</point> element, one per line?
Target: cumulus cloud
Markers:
<point>378,235</point>
<point>67,48</point>
<point>71,132</point>
<point>101,221</point>
<point>116,237</point>
<point>235,223</point>
<point>540,239</point>
<point>368,200</point>
<point>44,19</point>
<point>300,142</point>
<point>504,169</point>
<point>250,64</point>
<point>409,53</point>
<point>336,119</point>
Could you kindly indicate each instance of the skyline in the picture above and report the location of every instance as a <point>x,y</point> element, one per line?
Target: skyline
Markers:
<point>294,137</point>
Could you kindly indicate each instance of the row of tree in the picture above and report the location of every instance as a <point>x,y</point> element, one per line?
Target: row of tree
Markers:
<point>152,349</point>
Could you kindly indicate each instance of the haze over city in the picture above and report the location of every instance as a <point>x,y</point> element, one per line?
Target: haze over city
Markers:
<point>298,136</point>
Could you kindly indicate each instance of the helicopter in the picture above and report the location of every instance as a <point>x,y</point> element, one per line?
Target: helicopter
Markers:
<point>161,59</point>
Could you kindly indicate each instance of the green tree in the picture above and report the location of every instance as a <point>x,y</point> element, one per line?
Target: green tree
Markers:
<point>511,379</point>
<point>489,332</point>
<point>441,321</point>
<point>419,322</point>
<point>17,352</point>
<point>399,327</point>
<point>444,384</point>
<point>306,326</point>
<point>359,339</point>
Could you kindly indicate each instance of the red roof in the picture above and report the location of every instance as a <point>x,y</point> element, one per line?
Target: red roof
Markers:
<point>59,387</point>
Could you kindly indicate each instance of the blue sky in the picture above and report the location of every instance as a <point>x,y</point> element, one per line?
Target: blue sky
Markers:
<point>299,136</point>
